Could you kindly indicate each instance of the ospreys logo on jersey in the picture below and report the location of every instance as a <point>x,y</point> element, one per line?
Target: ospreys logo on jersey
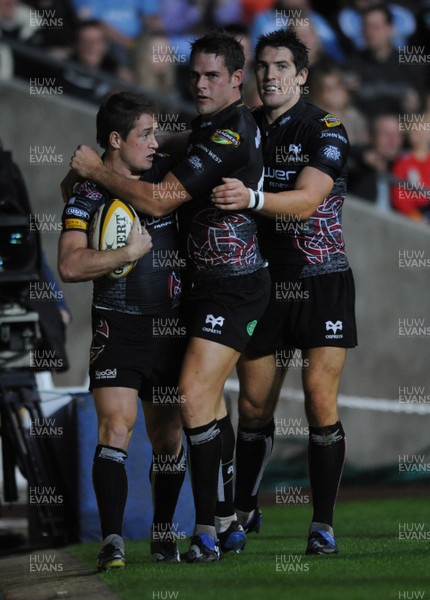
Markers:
<point>330,120</point>
<point>226,136</point>
<point>195,162</point>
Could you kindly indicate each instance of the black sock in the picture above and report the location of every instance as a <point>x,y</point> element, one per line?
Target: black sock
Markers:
<point>111,487</point>
<point>253,449</point>
<point>166,475</point>
<point>326,454</point>
<point>204,449</point>
<point>225,507</point>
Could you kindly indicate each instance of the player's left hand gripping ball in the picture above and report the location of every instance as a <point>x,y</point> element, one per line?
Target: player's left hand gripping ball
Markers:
<point>109,230</point>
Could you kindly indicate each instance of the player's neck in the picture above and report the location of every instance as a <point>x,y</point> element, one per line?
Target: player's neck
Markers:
<point>118,166</point>
<point>271,114</point>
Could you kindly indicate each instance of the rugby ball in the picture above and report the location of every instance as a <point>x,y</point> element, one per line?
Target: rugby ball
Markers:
<point>109,230</point>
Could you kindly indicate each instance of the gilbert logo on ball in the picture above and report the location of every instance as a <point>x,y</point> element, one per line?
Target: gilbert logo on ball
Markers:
<point>109,230</point>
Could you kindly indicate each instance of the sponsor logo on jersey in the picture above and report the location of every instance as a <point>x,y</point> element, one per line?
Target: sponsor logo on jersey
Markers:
<point>195,162</point>
<point>213,322</point>
<point>279,174</point>
<point>332,134</point>
<point>77,212</point>
<point>75,224</point>
<point>330,120</point>
<point>285,120</point>
<point>106,374</point>
<point>295,149</point>
<point>226,137</point>
<point>331,152</point>
<point>334,327</point>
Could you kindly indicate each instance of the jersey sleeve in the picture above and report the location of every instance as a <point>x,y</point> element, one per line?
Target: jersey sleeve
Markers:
<point>81,207</point>
<point>210,159</point>
<point>328,146</point>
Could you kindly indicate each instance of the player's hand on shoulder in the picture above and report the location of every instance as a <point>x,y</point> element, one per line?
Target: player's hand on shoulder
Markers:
<point>85,161</point>
<point>139,242</point>
<point>231,195</point>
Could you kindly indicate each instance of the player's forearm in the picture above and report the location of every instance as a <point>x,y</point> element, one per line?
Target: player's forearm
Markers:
<point>296,204</point>
<point>150,198</point>
<point>137,193</point>
<point>85,264</point>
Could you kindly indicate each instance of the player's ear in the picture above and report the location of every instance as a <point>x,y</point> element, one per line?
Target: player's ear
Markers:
<point>115,139</point>
<point>302,76</point>
<point>237,77</point>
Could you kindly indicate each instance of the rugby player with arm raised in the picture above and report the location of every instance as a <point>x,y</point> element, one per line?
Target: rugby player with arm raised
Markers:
<point>312,303</point>
<point>229,282</point>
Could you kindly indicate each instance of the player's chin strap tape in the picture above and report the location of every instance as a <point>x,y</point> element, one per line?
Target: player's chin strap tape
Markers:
<point>256,200</point>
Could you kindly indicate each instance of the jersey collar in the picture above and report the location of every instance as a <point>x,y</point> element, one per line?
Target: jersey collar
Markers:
<point>286,117</point>
<point>201,122</point>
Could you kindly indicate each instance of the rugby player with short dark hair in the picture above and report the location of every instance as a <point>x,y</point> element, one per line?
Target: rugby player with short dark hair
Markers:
<point>126,359</point>
<point>312,303</point>
<point>229,286</point>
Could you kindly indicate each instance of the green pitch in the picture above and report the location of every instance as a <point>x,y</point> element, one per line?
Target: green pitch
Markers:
<point>384,554</point>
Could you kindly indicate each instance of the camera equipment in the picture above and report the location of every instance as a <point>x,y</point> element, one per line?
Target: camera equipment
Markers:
<point>20,337</point>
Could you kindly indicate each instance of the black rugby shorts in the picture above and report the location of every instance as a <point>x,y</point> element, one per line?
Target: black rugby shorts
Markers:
<point>307,313</point>
<point>227,310</point>
<point>142,352</point>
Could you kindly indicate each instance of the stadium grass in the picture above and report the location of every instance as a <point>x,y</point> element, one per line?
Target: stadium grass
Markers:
<point>373,563</point>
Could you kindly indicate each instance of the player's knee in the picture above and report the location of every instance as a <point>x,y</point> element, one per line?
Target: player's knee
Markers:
<point>167,442</point>
<point>115,432</point>
<point>253,414</point>
<point>196,397</point>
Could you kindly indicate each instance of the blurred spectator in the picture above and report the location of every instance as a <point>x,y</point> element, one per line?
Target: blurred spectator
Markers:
<point>350,21</point>
<point>369,170</point>
<point>383,82</point>
<point>15,20</point>
<point>297,13</point>
<point>124,21</point>
<point>330,91</point>
<point>91,51</point>
<point>184,20</point>
<point>411,196</point>
<point>155,63</point>
<point>57,24</point>
<point>309,36</point>
<point>251,8</point>
<point>15,24</point>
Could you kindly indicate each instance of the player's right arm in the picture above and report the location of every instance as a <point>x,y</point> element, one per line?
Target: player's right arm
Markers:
<point>140,194</point>
<point>77,262</point>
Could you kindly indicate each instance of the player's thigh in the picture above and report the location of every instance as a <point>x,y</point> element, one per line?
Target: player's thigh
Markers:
<point>116,412</point>
<point>205,369</point>
<point>164,427</point>
<point>260,384</point>
<point>321,378</point>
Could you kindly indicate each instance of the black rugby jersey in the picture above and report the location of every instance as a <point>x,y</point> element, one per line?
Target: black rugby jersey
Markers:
<point>220,243</point>
<point>154,285</point>
<point>304,136</point>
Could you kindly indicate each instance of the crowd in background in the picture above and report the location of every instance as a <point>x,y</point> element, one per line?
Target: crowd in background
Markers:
<point>370,64</point>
